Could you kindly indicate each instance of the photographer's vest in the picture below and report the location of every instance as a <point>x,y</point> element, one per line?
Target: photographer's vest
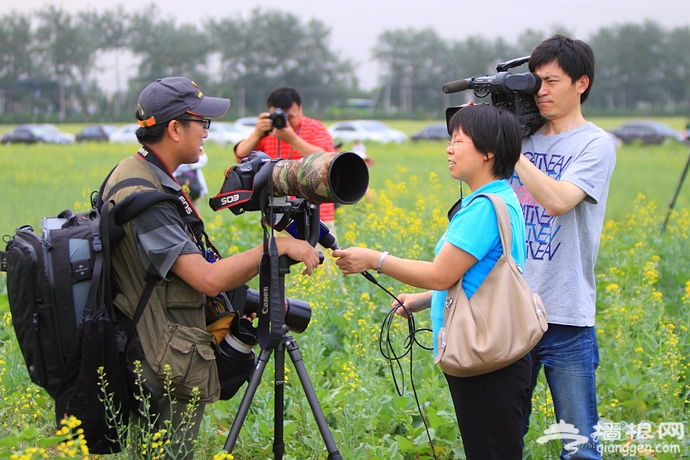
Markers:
<point>172,328</point>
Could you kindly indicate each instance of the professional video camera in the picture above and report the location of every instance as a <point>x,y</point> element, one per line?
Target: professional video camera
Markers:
<point>514,92</point>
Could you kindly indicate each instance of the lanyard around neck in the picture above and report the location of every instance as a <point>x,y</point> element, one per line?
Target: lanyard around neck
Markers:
<point>299,128</point>
<point>152,158</point>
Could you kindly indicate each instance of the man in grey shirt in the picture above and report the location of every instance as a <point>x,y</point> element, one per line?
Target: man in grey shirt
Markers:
<point>562,181</point>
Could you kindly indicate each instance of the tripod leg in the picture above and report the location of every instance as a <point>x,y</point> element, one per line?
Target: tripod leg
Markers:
<point>278,403</point>
<point>675,195</point>
<point>296,358</point>
<point>246,400</point>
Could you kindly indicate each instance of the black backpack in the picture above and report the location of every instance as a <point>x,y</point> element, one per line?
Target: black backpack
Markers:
<point>60,296</point>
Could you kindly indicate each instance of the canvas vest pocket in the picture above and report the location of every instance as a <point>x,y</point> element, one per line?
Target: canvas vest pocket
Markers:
<point>192,363</point>
<point>179,294</point>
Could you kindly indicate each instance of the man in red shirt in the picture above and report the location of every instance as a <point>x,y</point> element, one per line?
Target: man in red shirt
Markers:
<point>300,137</point>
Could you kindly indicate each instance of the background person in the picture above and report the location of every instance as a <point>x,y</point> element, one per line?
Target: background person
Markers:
<point>300,137</point>
<point>359,149</point>
<point>482,153</point>
<point>192,176</point>
<point>562,180</point>
<point>174,117</point>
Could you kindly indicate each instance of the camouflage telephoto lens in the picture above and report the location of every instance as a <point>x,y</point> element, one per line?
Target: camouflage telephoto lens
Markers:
<point>322,178</point>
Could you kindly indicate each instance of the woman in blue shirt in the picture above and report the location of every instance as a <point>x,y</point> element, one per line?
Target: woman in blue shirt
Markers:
<point>484,147</point>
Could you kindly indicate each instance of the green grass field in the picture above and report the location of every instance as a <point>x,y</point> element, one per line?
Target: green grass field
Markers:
<point>44,179</point>
<point>643,303</point>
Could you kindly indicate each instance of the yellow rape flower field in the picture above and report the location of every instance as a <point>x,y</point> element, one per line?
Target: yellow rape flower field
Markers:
<point>377,408</point>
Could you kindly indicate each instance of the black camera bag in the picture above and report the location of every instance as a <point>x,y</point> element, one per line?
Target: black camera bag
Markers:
<point>60,297</point>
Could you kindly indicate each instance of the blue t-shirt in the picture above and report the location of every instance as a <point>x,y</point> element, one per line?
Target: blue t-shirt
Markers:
<point>474,229</point>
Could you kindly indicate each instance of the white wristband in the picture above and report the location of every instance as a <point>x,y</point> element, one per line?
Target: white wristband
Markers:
<point>380,267</point>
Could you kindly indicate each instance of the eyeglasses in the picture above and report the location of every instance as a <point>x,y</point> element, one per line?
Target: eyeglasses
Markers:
<point>205,121</point>
<point>454,142</point>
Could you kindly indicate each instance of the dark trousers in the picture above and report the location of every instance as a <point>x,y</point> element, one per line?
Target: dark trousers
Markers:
<point>489,409</point>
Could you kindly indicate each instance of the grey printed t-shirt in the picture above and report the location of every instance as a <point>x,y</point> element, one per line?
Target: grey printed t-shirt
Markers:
<point>562,250</point>
<point>162,236</point>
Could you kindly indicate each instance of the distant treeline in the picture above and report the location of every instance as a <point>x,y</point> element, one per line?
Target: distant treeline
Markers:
<point>48,65</point>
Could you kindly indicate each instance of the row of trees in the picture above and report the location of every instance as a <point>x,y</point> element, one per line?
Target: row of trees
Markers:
<point>48,64</point>
<point>639,67</point>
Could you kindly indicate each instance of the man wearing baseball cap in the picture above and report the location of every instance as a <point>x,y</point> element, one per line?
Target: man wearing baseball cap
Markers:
<point>174,116</point>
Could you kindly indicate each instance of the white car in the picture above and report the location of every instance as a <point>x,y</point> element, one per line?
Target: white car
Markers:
<point>51,133</point>
<point>226,133</point>
<point>125,134</point>
<point>247,123</point>
<point>365,130</point>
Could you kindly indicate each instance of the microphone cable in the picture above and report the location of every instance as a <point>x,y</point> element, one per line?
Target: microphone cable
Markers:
<point>385,343</point>
<point>394,358</point>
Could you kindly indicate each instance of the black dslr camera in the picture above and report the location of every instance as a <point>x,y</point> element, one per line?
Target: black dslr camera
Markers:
<point>247,301</point>
<point>279,118</point>
<point>514,92</point>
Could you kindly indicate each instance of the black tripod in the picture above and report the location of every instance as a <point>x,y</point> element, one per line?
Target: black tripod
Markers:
<point>289,343</point>
<point>286,342</point>
<point>675,195</point>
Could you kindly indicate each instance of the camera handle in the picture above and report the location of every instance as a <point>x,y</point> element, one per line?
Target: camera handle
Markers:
<point>290,344</point>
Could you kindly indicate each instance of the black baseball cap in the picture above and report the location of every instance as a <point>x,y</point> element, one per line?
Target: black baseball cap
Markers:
<point>167,98</point>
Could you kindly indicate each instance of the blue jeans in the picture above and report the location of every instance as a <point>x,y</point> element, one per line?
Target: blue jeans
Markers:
<point>570,357</point>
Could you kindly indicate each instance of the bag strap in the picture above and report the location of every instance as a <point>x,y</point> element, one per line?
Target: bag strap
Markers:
<point>127,212</point>
<point>505,232</point>
<point>122,212</point>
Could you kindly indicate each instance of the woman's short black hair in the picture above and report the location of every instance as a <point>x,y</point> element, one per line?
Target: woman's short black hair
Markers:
<point>492,130</point>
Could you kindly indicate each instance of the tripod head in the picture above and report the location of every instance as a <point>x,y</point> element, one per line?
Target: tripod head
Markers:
<point>301,219</point>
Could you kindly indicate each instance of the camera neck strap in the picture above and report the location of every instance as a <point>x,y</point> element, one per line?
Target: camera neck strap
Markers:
<point>191,216</point>
<point>456,207</point>
<point>272,312</point>
<point>292,149</point>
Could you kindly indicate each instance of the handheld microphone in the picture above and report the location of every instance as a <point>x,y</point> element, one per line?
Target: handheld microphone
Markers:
<point>326,239</point>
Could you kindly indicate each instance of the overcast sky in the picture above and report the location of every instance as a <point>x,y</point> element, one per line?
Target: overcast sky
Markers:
<point>355,24</point>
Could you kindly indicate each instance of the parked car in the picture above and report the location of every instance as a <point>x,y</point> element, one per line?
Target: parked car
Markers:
<point>52,134</point>
<point>97,133</point>
<point>247,123</point>
<point>365,130</point>
<point>26,134</point>
<point>436,131</point>
<point>224,133</point>
<point>616,140</point>
<point>125,134</point>
<point>36,133</point>
<point>647,131</point>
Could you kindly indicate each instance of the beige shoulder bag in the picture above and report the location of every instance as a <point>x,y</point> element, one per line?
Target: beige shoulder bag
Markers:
<point>502,321</point>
